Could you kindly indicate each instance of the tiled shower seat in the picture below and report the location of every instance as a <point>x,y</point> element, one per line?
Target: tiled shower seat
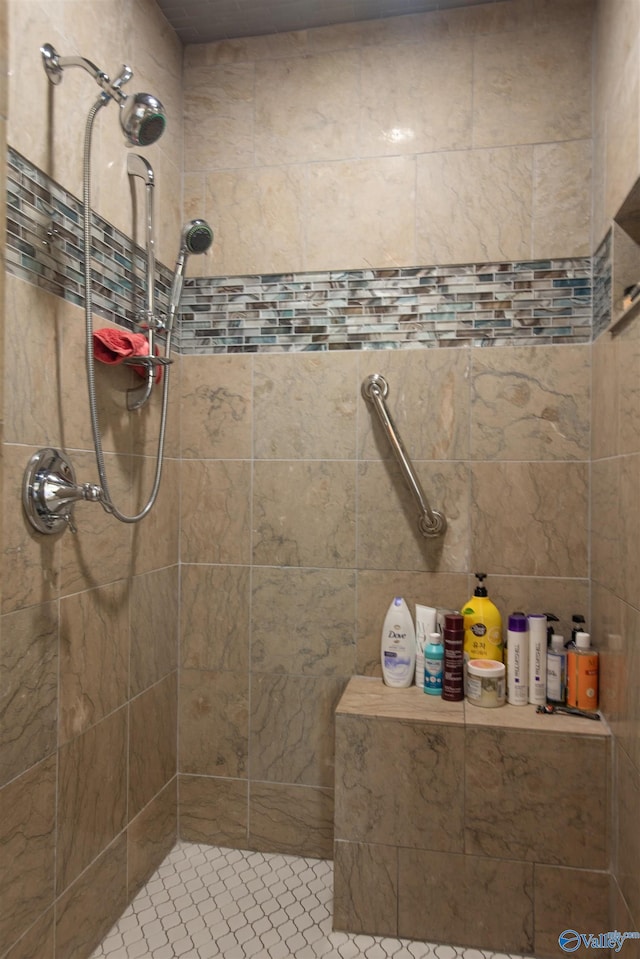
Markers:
<point>469,826</point>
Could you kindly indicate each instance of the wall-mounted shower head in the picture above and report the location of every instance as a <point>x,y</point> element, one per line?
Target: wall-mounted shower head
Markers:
<point>142,119</point>
<point>142,116</point>
<point>196,237</point>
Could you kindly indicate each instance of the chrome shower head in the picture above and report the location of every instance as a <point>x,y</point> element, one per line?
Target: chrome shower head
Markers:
<point>142,116</point>
<point>196,237</point>
<point>142,119</point>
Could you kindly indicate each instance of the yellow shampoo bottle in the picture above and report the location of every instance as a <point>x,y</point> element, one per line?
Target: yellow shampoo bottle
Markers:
<point>482,626</point>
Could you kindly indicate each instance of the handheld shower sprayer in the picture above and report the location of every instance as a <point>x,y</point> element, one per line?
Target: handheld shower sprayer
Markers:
<point>142,116</point>
<point>196,237</point>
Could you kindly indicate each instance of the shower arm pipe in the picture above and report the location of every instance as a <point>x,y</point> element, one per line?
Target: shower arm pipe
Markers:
<point>54,64</point>
<point>104,496</point>
<point>430,522</point>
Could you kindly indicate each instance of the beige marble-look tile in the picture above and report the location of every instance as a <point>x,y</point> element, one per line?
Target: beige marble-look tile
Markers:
<point>219,107</point>
<point>250,205</point>
<point>214,723</point>
<point>376,589</point>
<point>216,407</point>
<point>568,899</point>
<point>457,196</point>
<point>291,724</point>
<point>292,820</point>
<point>304,513</point>
<point>604,412</point>
<point>387,769</point>
<point>87,909</point>
<point>630,522</point>
<point>94,657</point>
<point>215,510</point>
<point>100,552</point>
<point>626,842</point>
<point>92,795</point>
<point>215,615</point>
<point>622,919</point>
<point>511,718</point>
<point>369,697</point>
<point>32,412</point>
<point>428,400</point>
<point>27,876</point>
<point>29,692</point>
<point>365,888</point>
<point>606,527</point>
<point>144,425</point>
<point>530,518</point>
<point>546,814</point>
<point>526,97</point>
<point>562,199</point>
<point>303,621</point>
<point>530,403</point>
<point>155,539</point>
<point>621,146</point>
<point>406,108</point>
<point>338,235</point>
<point>618,663</point>
<point>38,941</point>
<point>151,836</point>
<point>322,92</point>
<point>213,811</point>
<point>153,725</point>
<point>450,898</point>
<point>388,533</point>
<point>305,405</point>
<point>628,381</point>
<point>154,627</point>
<point>30,561</point>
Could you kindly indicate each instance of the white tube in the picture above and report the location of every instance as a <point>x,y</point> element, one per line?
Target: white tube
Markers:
<point>425,625</point>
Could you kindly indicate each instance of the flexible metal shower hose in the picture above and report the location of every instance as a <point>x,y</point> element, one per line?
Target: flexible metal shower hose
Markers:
<point>105,498</point>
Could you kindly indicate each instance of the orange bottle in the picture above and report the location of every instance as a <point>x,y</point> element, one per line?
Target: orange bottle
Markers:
<point>582,674</point>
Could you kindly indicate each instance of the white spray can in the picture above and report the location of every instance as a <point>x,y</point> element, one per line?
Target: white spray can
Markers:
<point>398,645</point>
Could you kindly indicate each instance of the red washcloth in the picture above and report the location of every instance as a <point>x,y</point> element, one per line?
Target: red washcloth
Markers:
<point>113,346</point>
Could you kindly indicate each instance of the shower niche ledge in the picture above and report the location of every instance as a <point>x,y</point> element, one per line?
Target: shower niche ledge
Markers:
<point>626,262</point>
<point>467,826</point>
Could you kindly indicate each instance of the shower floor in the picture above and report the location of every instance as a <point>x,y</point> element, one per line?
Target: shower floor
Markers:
<point>207,901</point>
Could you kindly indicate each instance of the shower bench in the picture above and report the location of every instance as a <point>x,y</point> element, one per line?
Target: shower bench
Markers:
<point>470,826</point>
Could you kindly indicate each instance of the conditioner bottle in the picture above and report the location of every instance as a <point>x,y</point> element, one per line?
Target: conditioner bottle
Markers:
<point>518,660</point>
<point>452,680</point>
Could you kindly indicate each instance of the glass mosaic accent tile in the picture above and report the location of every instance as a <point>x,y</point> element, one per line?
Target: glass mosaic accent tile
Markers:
<point>479,304</point>
<point>206,901</point>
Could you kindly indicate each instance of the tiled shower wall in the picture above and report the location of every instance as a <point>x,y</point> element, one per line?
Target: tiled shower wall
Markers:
<point>89,623</point>
<point>293,528</point>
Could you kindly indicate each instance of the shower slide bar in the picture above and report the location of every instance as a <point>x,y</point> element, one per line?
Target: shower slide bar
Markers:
<point>430,521</point>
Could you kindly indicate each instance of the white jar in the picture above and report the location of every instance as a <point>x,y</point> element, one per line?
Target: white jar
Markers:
<point>485,682</point>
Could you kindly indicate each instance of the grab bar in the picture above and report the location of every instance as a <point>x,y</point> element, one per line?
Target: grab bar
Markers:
<point>430,521</point>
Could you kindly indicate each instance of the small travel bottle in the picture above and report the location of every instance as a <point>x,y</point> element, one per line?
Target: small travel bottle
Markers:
<point>433,665</point>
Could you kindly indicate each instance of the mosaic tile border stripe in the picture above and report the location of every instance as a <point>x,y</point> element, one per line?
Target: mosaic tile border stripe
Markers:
<point>481,304</point>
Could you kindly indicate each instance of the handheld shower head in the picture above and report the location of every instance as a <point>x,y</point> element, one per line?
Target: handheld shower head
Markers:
<point>142,119</point>
<point>196,237</point>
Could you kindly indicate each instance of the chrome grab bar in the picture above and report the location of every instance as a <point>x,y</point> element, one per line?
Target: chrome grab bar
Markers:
<point>430,521</point>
